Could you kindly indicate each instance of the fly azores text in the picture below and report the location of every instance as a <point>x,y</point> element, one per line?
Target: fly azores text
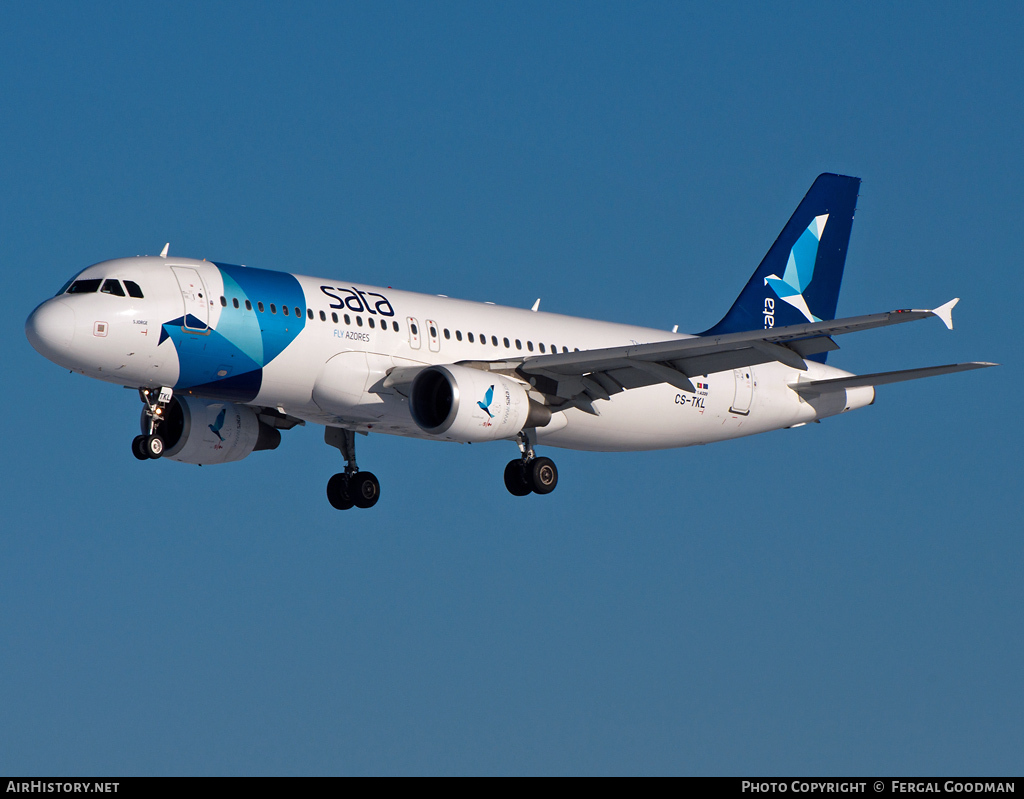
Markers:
<point>359,301</point>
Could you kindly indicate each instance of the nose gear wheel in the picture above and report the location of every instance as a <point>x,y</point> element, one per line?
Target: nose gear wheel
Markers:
<point>151,446</point>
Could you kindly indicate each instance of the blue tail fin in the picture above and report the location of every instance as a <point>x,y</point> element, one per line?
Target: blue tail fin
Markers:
<point>798,280</point>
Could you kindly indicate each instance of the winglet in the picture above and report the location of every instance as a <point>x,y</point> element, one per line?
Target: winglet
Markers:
<point>945,312</point>
<point>163,252</point>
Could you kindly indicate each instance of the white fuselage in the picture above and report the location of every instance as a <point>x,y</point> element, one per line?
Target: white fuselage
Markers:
<point>185,332</point>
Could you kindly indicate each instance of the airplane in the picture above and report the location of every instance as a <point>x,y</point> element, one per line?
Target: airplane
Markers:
<point>225,357</point>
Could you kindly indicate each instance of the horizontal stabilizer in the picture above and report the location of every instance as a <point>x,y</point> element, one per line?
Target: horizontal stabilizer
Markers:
<point>881,378</point>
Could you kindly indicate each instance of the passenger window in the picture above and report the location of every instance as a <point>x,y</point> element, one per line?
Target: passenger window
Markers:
<point>298,312</point>
<point>309,313</point>
<point>470,337</point>
<point>394,326</point>
<point>234,301</point>
<point>323,317</point>
<point>542,346</point>
<point>248,305</point>
<point>260,306</point>
<point>112,287</point>
<point>348,319</point>
<point>359,321</point>
<point>133,289</point>
<point>494,340</point>
<point>433,332</point>
<point>565,349</point>
<point>505,340</point>
<point>529,346</point>
<point>334,317</point>
<point>413,330</point>
<point>458,335</point>
<point>371,323</point>
<point>273,308</point>
<point>447,334</point>
<point>519,344</point>
<point>223,301</point>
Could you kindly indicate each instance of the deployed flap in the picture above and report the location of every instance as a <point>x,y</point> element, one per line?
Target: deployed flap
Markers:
<point>881,378</point>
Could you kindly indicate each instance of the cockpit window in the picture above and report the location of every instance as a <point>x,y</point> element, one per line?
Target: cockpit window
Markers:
<point>85,286</point>
<point>133,289</point>
<point>112,287</point>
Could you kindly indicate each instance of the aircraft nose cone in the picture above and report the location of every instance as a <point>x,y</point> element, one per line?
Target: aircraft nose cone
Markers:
<point>49,329</point>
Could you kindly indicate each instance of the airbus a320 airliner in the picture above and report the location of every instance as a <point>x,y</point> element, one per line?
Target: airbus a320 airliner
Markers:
<point>225,357</point>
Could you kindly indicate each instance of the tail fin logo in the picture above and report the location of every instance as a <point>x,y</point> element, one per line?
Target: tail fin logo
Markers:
<point>800,269</point>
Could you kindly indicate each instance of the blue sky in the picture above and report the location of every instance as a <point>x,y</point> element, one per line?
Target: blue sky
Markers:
<point>845,598</point>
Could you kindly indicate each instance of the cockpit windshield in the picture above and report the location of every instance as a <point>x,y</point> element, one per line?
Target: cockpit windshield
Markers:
<point>89,286</point>
<point>109,286</point>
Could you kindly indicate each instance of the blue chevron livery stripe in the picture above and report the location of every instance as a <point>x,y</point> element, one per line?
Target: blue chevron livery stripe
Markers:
<point>227,362</point>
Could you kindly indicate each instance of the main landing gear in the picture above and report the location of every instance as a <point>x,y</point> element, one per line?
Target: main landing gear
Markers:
<point>151,446</point>
<point>351,487</point>
<point>530,474</point>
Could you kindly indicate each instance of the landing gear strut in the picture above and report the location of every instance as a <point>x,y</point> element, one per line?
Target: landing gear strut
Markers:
<point>351,487</point>
<point>530,474</point>
<point>151,445</point>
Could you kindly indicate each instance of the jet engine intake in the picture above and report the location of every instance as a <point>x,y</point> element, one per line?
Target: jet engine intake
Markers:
<point>458,403</point>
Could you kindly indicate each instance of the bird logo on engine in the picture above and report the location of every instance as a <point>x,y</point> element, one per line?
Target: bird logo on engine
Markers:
<point>485,405</point>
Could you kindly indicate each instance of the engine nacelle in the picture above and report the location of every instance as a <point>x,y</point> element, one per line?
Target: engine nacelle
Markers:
<point>205,432</point>
<point>462,404</point>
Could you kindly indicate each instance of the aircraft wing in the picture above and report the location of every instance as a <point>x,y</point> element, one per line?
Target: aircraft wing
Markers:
<point>579,378</point>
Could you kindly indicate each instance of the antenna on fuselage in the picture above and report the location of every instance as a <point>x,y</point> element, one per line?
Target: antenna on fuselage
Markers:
<point>675,328</point>
<point>536,305</point>
<point>163,252</point>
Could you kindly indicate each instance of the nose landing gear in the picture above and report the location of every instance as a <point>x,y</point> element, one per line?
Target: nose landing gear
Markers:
<point>151,446</point>
<point>351,487</point>
<point>530,474</point>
